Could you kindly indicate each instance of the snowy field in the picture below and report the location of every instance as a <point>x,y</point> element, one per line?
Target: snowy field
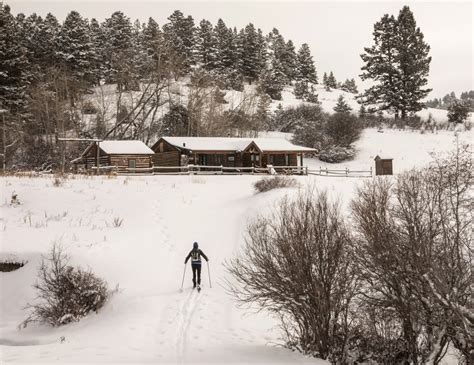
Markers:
<point>149,319</point>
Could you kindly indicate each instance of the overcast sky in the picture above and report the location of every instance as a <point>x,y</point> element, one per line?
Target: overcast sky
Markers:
<point>336,31</point>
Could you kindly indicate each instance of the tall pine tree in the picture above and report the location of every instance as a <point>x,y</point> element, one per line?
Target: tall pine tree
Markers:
<point>305,65</point>
<point>13,65</point>
<point>398,63</point>
<point>74,48</point>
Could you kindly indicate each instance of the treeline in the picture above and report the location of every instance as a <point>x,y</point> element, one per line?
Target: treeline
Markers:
<point>48,68</point>
<point>467,97</point>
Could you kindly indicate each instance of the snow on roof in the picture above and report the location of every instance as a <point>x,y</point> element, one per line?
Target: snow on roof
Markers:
<point>234,144</point>
<point>125,147</point>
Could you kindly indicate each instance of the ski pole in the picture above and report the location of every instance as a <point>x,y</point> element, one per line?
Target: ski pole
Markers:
<point>209,273</point>
<point>182,282</point>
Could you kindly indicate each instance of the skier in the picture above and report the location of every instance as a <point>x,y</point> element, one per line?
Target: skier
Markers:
<point>195,256</point>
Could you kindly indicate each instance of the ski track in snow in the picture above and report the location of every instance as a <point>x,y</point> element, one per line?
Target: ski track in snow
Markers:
<point>184,320</point>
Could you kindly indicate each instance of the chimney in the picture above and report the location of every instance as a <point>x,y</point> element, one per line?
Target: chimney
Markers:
<point>184,144</point>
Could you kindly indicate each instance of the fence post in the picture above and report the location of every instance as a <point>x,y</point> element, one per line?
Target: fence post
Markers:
<point>347,171</point>
<point>320,172</point>
<point>370,171</point>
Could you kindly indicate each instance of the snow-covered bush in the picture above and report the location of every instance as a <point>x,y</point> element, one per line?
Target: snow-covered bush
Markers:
<point>65,293</point>
<point>276,182</point>
<point>343,129</point>
<point>415,253</point>
<point>335,154</point>
<point>296,263</point>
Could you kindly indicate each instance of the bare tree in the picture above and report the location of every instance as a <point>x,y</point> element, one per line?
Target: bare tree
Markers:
<point>297,264</point>
<point>415,256</point>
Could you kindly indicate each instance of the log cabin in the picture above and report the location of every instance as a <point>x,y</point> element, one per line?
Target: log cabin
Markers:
<point>121,156</point>
<point>227,152</point>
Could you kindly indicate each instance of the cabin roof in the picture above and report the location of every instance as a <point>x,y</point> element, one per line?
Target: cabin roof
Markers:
<point>234,144</point>
<point>123,148</point>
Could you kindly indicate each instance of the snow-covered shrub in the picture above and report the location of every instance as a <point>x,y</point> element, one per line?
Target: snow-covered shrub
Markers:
<point>335,154</point>
<point>296,263</point>
<point>276,182</point>
<point>89,108</point>
<point>65,293</point>
<point>415,253</point>
<point>343,128</point>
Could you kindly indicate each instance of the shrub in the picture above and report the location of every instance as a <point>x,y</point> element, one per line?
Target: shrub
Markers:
<point>296,264</point>
<point>276,182</point>
<point>343,128</point>
<point>335,154</point>
<point>89,108</point>
<point>65,293</point>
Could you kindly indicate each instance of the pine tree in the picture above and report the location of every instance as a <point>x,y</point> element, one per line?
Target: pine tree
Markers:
<point>119,50</point>
<point>179,36</point>
<point>13,65</point>
<point>206,45</point>
<point>249,53</point>
<point>325,79</point>
<point>74,48</point>
<point>331,81</point>
<point>272,80</point>
<point>98,42</point>
<point>305,65</point>
<point>398,63</point>
<point>226,46</point>
<point>342,106</point>
<point>289,61</point>
<point>458,111</point>
<point>154,43</point>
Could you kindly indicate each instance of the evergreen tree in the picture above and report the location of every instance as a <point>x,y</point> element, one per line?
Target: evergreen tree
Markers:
<point>458,111</point>
<point>179,36</point>
<point>398,63</point>
<point>119,50</point>
<point>325,79</point>
<point>349,86</point>
<point>74,48</point>
<point>154,43</point>
<point>226,46</point>
<point>305,65</point>
<point>249,53</point>
<point>98,42</point>
<point>342,106</point>
<point>331,81</point>
<point>206,45</point>
<point>289,61</point>
<point>13,65</point>
<point>176,121</point>
<point>272,80</point>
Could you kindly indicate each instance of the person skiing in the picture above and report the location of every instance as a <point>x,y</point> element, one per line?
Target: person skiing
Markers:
<point>195,256</point>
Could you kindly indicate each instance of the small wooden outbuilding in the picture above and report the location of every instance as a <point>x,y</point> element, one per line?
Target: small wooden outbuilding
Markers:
<point>120,156</point>
<point>383,166</point>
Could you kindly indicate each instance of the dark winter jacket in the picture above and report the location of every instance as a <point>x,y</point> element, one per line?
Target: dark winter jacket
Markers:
<point>195,256</point>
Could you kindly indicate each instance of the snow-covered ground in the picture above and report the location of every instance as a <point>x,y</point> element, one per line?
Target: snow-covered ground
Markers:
<point>149,319</point>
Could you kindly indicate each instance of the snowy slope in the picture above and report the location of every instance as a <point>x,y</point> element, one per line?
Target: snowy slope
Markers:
<point>105,99</point>
<point>148,319</point>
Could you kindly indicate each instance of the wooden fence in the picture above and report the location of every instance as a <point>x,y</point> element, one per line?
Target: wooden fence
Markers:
<point>224,170</point>
<point>341,173</point>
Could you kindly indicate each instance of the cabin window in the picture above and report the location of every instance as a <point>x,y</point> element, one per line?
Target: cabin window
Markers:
<point>230,158</point>
<point>132,164</point>
<point>162,147</point>
<point>287,160</point>
<point>270,159</point>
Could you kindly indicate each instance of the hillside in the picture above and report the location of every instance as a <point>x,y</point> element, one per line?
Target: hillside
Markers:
<point>105,101</point>
<point>148,319</point>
